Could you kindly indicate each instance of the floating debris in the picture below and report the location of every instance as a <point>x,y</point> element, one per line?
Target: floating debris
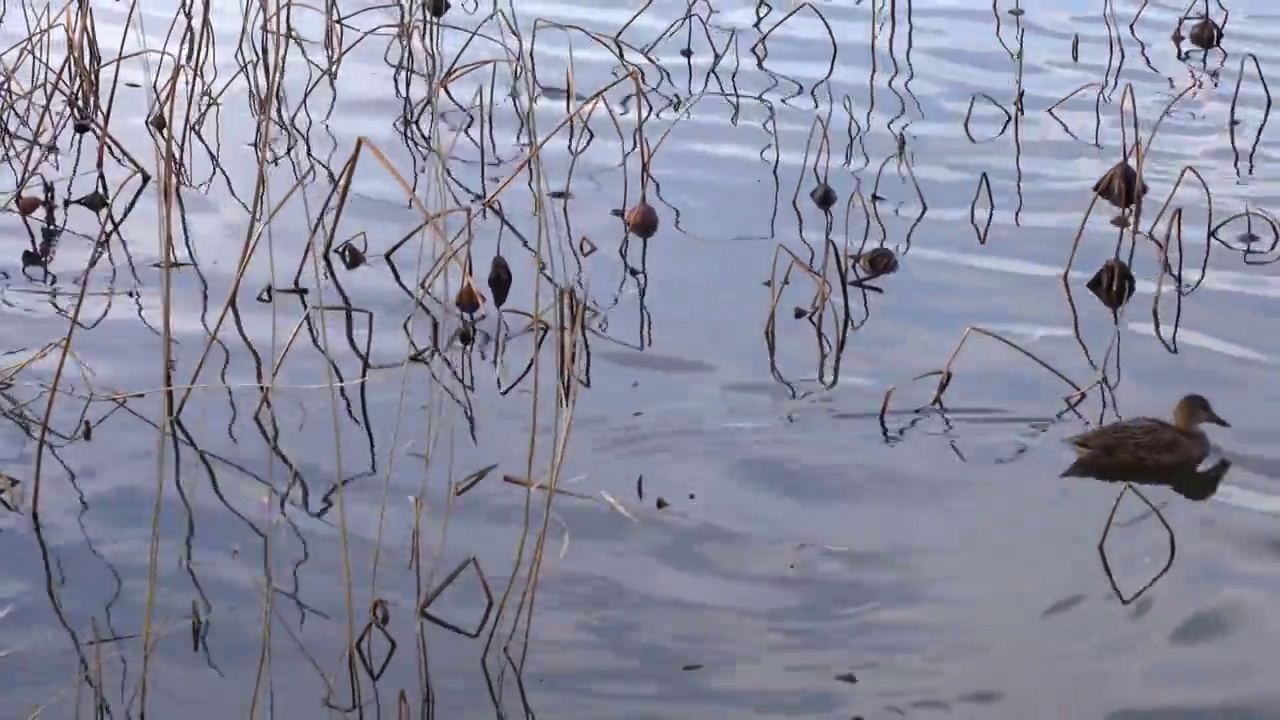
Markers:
<point>662,503</point>
<point>499,280</point>
<point>642,220</point>
<point>1119,185</point>
<point>1113,284</point>
<point>824,196</point>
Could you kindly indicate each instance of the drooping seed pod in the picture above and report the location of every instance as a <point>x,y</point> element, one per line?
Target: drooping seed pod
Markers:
<point>468,299</point>
<point>824,196</point>
<point>499,280</point>
<point>642,220</point>
<point>878,261</point>
<point>1205,34</point>
<point>1119,185</point>
<point>1113,284</point>
<point>94,201</point>
<point>351,256</point>
<point>28,204</point>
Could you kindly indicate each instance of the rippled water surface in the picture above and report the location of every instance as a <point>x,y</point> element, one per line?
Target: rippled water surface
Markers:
<point>794,552</point>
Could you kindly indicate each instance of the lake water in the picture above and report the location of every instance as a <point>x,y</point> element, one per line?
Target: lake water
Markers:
<point>809,559</point>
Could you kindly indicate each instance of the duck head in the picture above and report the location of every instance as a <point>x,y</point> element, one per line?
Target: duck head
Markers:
<point>1194,410</point>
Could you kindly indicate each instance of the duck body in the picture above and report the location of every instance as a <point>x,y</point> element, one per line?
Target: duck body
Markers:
<point>1138,443</point>
<point>1144,446</point>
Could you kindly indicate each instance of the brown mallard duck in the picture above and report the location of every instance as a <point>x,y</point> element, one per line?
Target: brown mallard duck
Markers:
<point>1146,444</point>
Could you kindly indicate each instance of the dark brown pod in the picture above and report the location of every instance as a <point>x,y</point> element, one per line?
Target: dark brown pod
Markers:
<point>468,300</point>
<point>28,204</point>
<point>824,196</point>
<point>81,127</point>
<point>499,280</point>
<point>1205,34</point>
<point>157,122</point>
<point>878,261</point>
<point>351,256</point>
<point>642,220</point>
<point>1113,284</point>
<point>800,313</point>
<point>1119,184</point>
<point>94,201</point>
<point>31,258</point>
<point>438,8</point>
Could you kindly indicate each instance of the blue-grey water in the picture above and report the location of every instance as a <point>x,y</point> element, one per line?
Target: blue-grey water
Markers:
<point>809,561</point>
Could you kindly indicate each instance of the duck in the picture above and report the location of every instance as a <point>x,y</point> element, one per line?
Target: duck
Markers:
<point>1146,445</point>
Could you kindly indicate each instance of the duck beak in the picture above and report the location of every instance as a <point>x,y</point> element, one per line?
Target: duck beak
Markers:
<point>1213,418</point>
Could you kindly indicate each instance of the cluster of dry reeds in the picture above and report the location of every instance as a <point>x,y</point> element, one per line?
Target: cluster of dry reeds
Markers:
<point>83,155</point>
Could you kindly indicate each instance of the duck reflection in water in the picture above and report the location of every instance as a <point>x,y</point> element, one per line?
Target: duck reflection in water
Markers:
<point>1149,451</point>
